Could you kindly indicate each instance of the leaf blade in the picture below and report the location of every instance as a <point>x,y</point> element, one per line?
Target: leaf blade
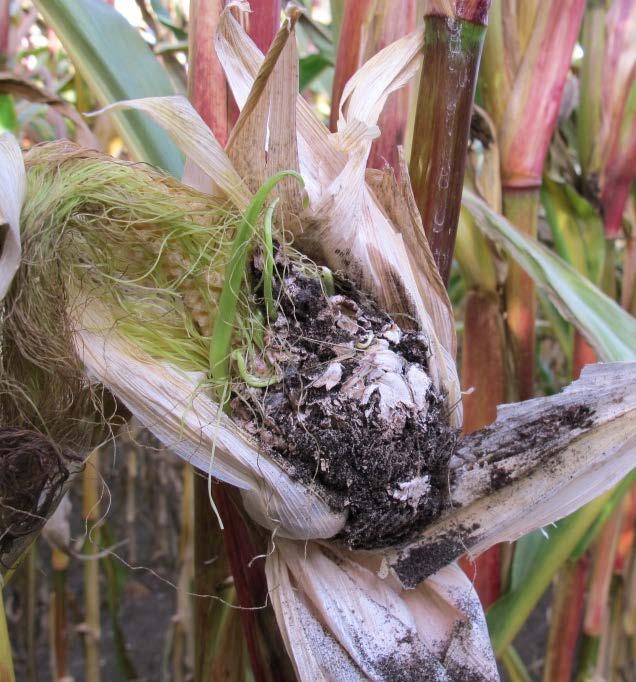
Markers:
<point>606,326</point>
<point>117,64</point>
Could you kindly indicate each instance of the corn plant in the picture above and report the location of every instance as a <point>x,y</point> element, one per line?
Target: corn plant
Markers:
<point>280,321</point>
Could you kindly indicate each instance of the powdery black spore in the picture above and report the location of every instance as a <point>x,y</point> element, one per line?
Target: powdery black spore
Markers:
<point>541,438</point>
<point>344,446</point>
<point>420,562</point>
<point>396,669</point>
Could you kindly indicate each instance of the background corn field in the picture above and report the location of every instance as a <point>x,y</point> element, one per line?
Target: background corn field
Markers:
<point>128,579</point>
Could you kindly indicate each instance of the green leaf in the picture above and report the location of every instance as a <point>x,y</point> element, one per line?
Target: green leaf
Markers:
<point>606,326</point>
<point>311,67</point>
<point>576,227</point>
<point>515,669</point>
<point>527,549</point>
<point>8,118</point>
<point>165,19</point>
<point>508,614</point>
<point>117,64</point>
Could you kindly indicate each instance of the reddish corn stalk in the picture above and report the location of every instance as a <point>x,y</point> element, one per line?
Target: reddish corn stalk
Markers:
<point>604,554</point>
<point>392,121</point>
<point>349,51</point>
<point>209,94</point>
<point>367,28</point>
<point>582,354</point>
<point>627,534</point>
<point>483,367</point>
<point>618,130</point>
<point>485,573</point>
<point>533,106</point>
<point>206,81</point>
<point>521,207</point>
<point>58,614</point>
<point>263,21</point>
<point>483,371</point>
<point>628,299</point>
<point>452,50</point>
<point>91,497</point>
<point>565,622</point>
<point>5,23</point>
<point>525,67</point>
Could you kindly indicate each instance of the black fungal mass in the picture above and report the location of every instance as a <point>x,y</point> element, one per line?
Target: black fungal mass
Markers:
<point>355,414</point>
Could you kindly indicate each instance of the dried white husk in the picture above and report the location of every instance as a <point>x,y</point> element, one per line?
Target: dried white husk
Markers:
<point>12,191</point>
<point>342,621</point>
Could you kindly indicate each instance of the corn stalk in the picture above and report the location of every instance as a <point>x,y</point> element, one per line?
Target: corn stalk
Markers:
<point>367,28</point>
<point>526,61</point>
<point>453,43</point>
<point>567,615</point>
<point>5,25</point>
<point>484,355</point>
<point>235,548</point>
<point>91,499</point>
<point>58,615</point>
<point>6,659</point>
<point>208,93</point>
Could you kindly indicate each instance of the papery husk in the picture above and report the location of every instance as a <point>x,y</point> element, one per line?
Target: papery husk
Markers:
<point>541,460</point>
<point>176,115</point>
<point>342,621</point>
<point>12,190</point>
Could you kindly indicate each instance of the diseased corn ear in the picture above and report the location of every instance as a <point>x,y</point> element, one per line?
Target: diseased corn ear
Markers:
<point>541,460</point>
<point>174,405</point>
<point>12,191</point>
<point>341,620</point>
